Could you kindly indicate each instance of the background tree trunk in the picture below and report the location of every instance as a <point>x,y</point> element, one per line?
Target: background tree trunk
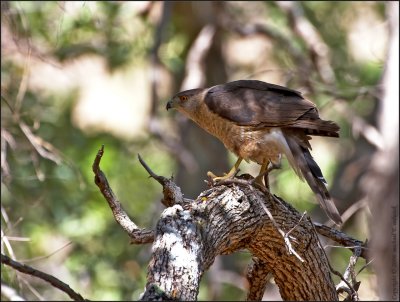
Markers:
<point>382,182</point>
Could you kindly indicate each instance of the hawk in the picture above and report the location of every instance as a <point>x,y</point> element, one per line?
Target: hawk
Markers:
<point>259,122</point>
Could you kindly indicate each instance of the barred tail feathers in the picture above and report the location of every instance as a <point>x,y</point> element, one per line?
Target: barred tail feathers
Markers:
<point>313,175</point>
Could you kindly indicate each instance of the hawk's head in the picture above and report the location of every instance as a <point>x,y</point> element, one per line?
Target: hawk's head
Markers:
<point>187,101</point>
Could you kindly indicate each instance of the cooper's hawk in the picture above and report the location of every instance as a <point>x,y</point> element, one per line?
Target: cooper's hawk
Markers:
<point>259,121</point>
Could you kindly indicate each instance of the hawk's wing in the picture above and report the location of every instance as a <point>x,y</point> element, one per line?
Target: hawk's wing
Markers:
<point>259,104</point>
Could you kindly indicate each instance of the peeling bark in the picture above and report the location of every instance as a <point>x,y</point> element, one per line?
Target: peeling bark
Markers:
<point>228,218</point>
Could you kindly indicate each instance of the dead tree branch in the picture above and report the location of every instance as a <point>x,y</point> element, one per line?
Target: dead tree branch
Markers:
<point>26,269</point>
<point>350,276</point>
<point>137,235</point>
<point>172,193</point>
<point>343,239</point>
<point>231,216</point>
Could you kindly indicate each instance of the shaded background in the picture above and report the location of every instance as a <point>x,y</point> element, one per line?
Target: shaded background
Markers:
<point>76,75</point>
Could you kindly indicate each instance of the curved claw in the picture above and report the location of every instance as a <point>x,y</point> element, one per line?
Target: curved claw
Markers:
<point>230,174</point>
<point>220,178</point>
<point>212,175</point>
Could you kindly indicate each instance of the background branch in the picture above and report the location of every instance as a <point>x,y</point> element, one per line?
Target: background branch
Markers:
<point>342,238</point>
<point>26,269</point>
<point>137,235</point>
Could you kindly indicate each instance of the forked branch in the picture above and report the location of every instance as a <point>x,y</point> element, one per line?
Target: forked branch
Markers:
<point>231,216</point>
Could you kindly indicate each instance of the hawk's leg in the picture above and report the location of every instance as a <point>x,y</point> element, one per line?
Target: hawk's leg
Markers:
<point>263,175</point>
<point>264,171</point>
<point>230,174</point>
<point>273,166</point>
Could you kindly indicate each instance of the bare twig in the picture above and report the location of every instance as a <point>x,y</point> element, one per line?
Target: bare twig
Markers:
<point>23,86</point>
<point>161,179</point>
<point>45,256</point>
<point>14,33</point>
<point>6,140</point>
<point>351,290</point>
<point>6,218</point>
<point>7,244</point>
<point>172,193</point>
<point>137,235</point>
<point>291,230</point>
<point>285,236</point>
<point>44,148</point>
<point>39,274</point>
<point>16,238</point>
<point>32,289</point>
<point>364,267</point>
<point>350,276</point>
<point>342,238</point>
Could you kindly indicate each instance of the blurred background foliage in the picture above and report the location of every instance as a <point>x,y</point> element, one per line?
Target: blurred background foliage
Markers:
<point>76,75</point>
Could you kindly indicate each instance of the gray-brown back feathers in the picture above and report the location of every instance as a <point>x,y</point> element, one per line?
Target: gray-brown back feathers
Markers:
<point>260,104</point>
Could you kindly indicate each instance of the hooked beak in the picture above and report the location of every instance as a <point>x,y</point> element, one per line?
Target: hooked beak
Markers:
<point>170,104</point>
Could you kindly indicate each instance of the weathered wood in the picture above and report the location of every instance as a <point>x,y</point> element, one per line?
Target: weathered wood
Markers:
<point>258,274</point>
<point>234,214</point>
<point>228,218</point>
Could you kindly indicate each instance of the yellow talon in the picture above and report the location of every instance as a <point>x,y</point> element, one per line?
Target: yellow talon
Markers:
<point>212,175</point>
<point>230,174</point>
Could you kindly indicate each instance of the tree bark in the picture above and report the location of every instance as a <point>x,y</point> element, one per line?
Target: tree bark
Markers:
<point>234,214</point>
<point>228,218</point>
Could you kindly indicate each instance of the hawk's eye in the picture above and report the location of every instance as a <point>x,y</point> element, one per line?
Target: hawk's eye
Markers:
<point>183,98</point>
